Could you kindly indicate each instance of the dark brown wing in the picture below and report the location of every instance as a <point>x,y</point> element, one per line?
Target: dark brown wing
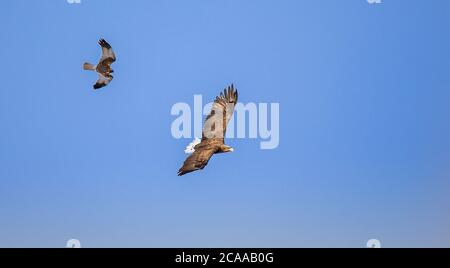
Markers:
<point>221,112</point>
<point>108,55</point>
<point>102,81</point>
<point>199,159</point>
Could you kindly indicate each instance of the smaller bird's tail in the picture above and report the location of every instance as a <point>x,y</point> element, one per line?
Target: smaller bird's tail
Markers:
<point>191,147</point>
<point>88,66</point>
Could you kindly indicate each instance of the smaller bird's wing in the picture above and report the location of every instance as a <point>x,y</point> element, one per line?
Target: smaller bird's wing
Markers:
<point>108,55</point>
<point>198,160</point>
<point>102,81</point>
<point>221,112</point>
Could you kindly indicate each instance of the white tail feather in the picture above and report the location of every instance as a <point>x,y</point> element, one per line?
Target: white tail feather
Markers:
<point>191,147</point>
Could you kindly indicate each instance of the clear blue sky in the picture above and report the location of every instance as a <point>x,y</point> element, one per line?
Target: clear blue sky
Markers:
<point>364,93</point>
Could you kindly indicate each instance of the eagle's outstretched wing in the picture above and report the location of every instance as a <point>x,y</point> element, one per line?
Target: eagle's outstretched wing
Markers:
<point>199,159</point>
<point>102,81</point>
<point>221,112</point>
<point>108,55</point>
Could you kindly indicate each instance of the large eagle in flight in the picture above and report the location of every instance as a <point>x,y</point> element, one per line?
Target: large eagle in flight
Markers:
<point>103,68</point>
<point>213,133</point>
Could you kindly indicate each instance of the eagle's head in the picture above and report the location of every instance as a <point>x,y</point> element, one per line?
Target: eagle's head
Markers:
<point>226,149</point>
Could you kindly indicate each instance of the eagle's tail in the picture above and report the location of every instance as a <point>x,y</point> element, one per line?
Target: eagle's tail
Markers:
<point>88,66</point>
<point>191,147</point>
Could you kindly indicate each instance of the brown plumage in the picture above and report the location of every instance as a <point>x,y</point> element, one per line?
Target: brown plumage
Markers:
<point>213,132</point>
<point>103,68</point>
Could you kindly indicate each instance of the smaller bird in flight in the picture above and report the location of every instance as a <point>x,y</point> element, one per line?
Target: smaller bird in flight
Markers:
<point>103,68</point>
<point>213,133</point>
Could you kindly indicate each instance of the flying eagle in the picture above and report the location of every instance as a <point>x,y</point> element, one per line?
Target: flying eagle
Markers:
<point>103,68</point>
<point>213,133</point>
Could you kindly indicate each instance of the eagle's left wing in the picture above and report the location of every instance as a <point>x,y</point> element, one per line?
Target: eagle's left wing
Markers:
<point>221,112</point>
<point>108,55</point>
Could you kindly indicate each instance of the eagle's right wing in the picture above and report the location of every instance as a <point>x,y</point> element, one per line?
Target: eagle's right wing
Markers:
<point>102,81</point>
<point>108,55</point>
<point>198,160</point>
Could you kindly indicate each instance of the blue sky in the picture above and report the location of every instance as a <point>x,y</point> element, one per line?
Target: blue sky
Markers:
<point>364,124</point>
